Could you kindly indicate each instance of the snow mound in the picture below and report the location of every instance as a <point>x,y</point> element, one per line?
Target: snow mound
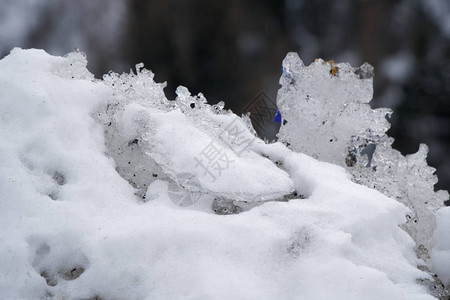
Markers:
<point>77,155</point>
<point>262,180</point>
<point>206,144</point>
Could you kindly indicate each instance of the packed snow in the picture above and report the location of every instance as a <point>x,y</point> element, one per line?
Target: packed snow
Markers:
<point>91,175</point>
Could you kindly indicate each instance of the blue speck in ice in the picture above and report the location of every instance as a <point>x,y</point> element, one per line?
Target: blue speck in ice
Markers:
<point>277,117</point>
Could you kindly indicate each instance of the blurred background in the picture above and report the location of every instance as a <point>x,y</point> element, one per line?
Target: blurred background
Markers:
<point>232,50</point>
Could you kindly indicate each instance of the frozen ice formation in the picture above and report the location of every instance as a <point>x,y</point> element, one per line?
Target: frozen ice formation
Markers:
<point>322,111</point>
<point>75,152</point>
<point>326,114</point>
<point>208,146</point>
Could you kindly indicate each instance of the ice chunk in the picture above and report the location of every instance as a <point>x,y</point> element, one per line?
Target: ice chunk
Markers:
<point>322,112</point>
<point>122,133</point>
<point>179,147</point>
<point>153,138</point>
<point>326,114</point>
<point>409,180</point>
<point>74,66</point>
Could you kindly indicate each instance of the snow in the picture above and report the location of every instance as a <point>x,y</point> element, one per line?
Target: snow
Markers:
<point>263,178</point>
<point>74,224</point>
<point>441,252</point>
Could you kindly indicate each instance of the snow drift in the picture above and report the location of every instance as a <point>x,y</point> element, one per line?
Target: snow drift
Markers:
<point>88,174</point>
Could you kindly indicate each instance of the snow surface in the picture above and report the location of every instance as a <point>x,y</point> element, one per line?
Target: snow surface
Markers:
<point>441,252</point>
<point>71,227</point>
